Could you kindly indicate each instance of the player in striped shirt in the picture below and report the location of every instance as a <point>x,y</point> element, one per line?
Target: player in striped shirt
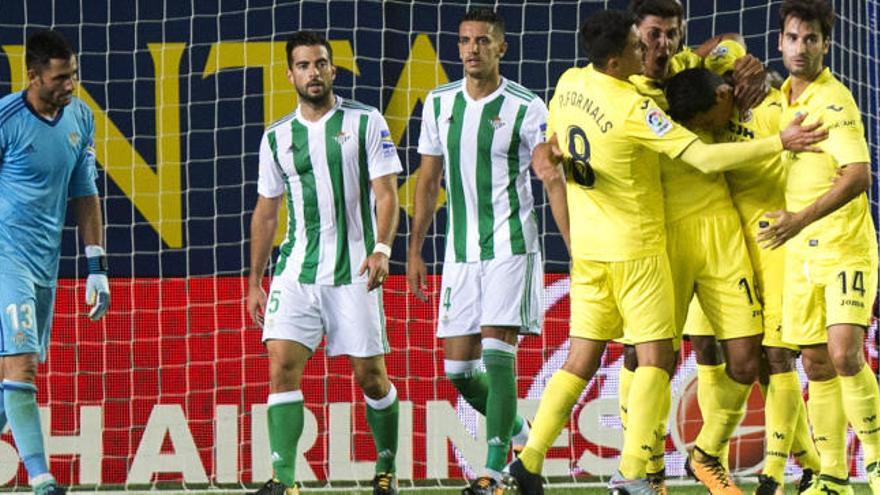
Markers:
<point>481,130</point>
<point>335,162</point>
<point>47,157</point>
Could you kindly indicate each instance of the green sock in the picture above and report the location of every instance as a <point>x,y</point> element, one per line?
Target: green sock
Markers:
<point>285,427</point>
<point>501,405</point>
<point>473,386</point>
<point>382,415</point>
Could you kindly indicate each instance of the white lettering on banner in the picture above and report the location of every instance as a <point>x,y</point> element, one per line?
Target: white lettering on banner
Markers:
<point>465,433</point>
<point>83,445</point>
<point>167,419</point>
<point>261,457</point>
<point>341,465</point>
<point>439,430</point>
<point>527,408</point>
<point>8,461</point>
<point>590,421</point>
<point>91,423</point>
<point>226,444</point>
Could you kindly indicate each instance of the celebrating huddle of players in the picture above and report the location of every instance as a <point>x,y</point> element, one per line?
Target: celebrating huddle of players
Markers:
<point>693,200</point>
<point>661,224</point>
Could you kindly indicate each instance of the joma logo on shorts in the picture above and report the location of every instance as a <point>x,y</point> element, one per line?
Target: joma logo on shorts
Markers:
<point>851,302</point>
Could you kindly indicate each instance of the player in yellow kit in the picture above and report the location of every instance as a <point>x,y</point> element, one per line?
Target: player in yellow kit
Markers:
<point>831,249</point>
<point>611,137</point>
<point>708,258</point>
<point>702,100</point>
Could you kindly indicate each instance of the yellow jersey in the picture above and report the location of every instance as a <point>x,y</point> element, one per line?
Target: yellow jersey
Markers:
<point>687,192</point>
<point>684,59</point>
<point>760,187</point>
<point>848,231</point>
<point>612,137</point>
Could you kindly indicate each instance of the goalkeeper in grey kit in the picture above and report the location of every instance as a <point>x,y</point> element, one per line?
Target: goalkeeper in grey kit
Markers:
<point>47,159</point>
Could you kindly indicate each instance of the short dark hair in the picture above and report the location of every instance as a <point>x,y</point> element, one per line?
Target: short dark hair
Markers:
<point>305,38</point>
<point>484,15</point>
<point>43,46</point>
<point>604,35</point>
<point>808,11</point>
<point>691,92</point>
<point>659,8</point>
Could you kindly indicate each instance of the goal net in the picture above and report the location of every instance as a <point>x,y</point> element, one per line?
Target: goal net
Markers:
<point>169,389</point>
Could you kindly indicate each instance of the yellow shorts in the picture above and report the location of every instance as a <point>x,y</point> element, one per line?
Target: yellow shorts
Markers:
<point>605,295</point>
<point>769,266</point>
<point>822,293</point>
<point>709,259</point>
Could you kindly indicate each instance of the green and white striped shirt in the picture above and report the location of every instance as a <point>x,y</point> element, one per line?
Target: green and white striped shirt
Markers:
<point>487,147</point>
<point>325,168</point>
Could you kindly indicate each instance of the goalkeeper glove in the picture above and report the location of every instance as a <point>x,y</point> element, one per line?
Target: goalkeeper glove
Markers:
<point>97,285</point>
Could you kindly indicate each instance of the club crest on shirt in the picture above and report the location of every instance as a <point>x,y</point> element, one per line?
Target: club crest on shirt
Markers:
<point>342,137</point>
<point>19,338</point>
<point>658,122</point>
<point>496,123</point>
<point>719,51</point>
<point>73,138</point>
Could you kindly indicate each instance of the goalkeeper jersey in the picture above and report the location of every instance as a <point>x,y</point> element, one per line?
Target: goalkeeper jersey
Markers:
<point>487,151</point>
<point>325,168</point>
<point>42,164</point>
<point>848,231</point>
<point>613,136</point>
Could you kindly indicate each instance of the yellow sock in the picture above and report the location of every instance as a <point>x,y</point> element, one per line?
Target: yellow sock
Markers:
<point>626,378</point>
<point>861,404</point>
<point>638,440</point>
<point>829,426</point>
<point>723,405</point>
<point>724,455</point>
<point>657,462</point>
<point>780,417</point>
<point>802,447</point>
<point>559,397</point>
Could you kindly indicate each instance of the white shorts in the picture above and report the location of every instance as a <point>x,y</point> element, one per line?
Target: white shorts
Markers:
<point>502,292</point>
<point>352,318</point>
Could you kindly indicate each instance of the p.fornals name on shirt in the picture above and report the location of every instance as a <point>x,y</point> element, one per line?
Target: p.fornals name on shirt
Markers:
<point>587,106</point>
